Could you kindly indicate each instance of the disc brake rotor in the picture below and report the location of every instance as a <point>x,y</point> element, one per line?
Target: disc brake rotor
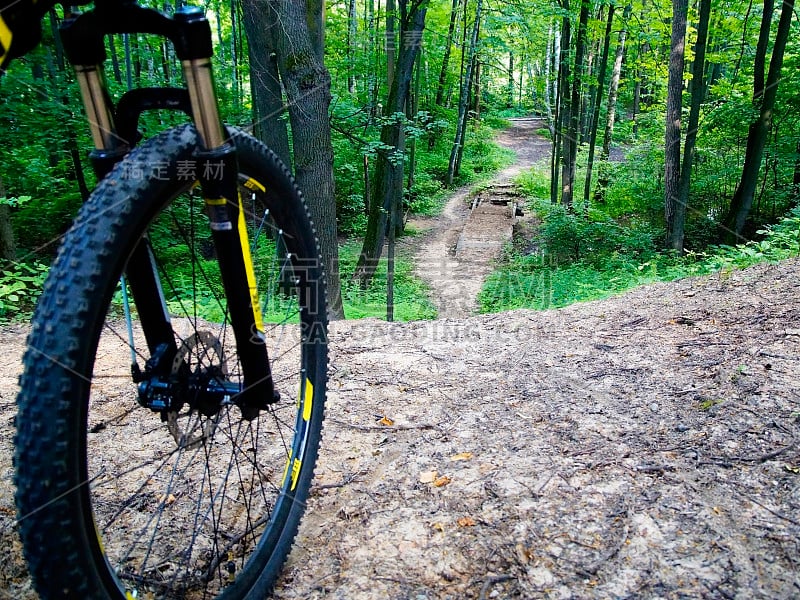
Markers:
<point>201,351</point>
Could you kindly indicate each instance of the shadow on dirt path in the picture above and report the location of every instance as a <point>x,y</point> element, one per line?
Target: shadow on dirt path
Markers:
<point>455,277</point>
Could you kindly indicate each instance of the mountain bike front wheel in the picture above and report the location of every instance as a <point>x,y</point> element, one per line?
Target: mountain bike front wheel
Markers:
<point>116,498</point>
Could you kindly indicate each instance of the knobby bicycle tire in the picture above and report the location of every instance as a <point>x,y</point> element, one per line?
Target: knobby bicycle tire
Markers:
<point>116,500</point>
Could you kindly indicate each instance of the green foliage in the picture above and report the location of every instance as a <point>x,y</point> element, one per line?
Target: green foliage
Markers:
<point>534,184</point>
<point>433,134</point>
<point>15,202</point>
<point>483,157</point>
<point>550,279</point>
<point>411,301</point>
<point>427,195</point>
<point>20,286</point>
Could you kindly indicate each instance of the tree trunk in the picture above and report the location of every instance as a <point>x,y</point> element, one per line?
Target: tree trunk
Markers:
<point>796,174</point>
<point>742,201</point>
<point>560,143</point>
<point>388,180</point>
<point>588,92</point>
<point>8,250</point>
<point>477,73</point>
<point>308,85</point>
<point>473,111</point>
<point>446,58</point>
<point>391,41</point>
<point>550,67</point>
<point>56,90</point>
<point>698,93</point>
<point>315,19</point>
<point>601,77</point>
<point>568,176</point>
<point>510,89</point>
<point>352,23</point>
<point>114,59</point>
<point>464,98</point>
<point>260,24</point>
<point>672,135</point>
<point>234,58</point>
<point>412,108</point>
<point>613,86</point>
<point>760,59</point>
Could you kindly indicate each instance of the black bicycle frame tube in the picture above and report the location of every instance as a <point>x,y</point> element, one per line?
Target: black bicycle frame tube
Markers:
<point>190,32</point>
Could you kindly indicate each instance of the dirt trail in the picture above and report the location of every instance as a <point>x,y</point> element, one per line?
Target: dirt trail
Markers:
<point>455,266</point>
<point>645,446</point>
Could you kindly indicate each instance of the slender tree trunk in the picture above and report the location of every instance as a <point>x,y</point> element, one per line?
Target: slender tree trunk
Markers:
<point>114,59</point>
<point>164,50</point>
<point>234,58</point>
<point>476,96</point>
<point>613,86</point>
<point>672,135</point>
<point>464,98</point>
<point>412,108</point>
<point>8,249</point>
<point>550,63</point>
<point>220,50</point>
<point>568,176</point>
<point>126,44</point>
<point>473,105</point>
<point>588,92</point>
<point>72,138</point>
<point>260,23</point>
<point>388,180</point>
<point>446,57</point>
<point>760,59</point>
<point>510,88</point>
<point>698,93</point>
<point>742,201</point>
<point>560,141</point>
<point>391,41</point>
<point>601,77</point>
<point>308,85</point>
<point>743,45</point>
<point>352,27</point>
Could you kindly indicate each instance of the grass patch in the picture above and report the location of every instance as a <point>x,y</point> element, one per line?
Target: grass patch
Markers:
<point>577,258</point>
<point>411,295</point>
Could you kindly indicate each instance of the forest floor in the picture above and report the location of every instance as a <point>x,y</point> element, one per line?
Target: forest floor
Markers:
<point>643,446</point>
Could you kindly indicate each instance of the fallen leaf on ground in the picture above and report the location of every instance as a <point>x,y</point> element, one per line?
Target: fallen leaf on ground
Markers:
<point>462,456</point>
<point>386,421</point>
<point>442,481</point>
<point>466,522</point>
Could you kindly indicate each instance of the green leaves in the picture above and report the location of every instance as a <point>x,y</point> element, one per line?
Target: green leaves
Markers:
<point>20,286</point>
<point>15,202</point>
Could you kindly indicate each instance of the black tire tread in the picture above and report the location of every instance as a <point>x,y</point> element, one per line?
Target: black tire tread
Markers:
<point>52,531</point>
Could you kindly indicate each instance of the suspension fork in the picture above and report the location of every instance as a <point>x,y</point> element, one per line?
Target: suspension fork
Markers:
<point>190,33</point>
<point>220,185</point>
<point>86,52</point>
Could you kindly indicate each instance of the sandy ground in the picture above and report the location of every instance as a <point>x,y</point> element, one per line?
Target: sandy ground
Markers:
<point>643,446</point>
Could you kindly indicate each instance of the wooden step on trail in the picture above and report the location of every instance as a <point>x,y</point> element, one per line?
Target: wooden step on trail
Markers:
<point>490,225</point>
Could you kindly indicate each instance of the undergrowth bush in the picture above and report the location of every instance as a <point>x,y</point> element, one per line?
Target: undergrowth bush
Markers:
<point>20,286</point>
<point>411,298</point>
<point>587,258</point>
